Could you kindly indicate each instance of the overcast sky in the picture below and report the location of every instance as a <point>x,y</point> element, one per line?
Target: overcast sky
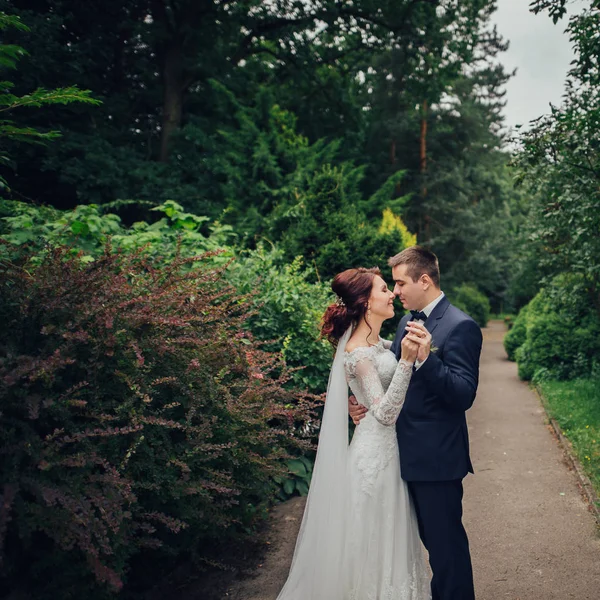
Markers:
<point>541,53</point>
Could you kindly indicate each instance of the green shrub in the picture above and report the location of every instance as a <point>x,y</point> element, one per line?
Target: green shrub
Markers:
<point>526,368</point>
<point>516,335</point>
<point>562,332</point>
<point>137,418</point>
<point>471,301</point>
<point>564,348</point>
<point>88,227</point>
<point>298,479</point>
<point>328,228</point>
<point>288,312</point>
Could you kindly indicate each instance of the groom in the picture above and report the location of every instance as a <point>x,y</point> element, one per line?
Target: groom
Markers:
<point>432,428</point>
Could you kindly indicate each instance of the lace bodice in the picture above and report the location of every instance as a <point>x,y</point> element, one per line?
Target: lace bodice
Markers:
<point>378,381</point>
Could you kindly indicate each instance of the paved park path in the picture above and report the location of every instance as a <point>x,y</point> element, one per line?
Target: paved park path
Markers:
<point>532,536</point>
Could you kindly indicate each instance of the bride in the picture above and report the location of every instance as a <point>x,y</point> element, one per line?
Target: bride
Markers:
<point>359,538</point>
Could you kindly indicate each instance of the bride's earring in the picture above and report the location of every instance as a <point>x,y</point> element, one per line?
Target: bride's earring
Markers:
<point>368,311</point>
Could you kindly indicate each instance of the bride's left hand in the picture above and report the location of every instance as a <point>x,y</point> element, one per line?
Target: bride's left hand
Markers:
<point>419,334</point>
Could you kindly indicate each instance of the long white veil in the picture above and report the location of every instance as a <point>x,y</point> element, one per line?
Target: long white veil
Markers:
<point>317,567</point>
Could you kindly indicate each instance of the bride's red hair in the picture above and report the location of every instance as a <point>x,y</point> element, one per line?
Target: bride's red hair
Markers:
<point>353,289</point>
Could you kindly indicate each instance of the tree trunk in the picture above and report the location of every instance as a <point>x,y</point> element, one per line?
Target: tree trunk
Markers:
<point>393,161</point>
<point>423,148</point>
<point>173,96</point>
<point>423,163</point>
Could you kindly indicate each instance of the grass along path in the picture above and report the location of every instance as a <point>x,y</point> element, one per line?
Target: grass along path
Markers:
<point>575,406</point>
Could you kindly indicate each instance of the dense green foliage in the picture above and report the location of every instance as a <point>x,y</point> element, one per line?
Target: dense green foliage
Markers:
<point>473,302</point>
<point>558,333</point>
<point>559,166</point>
<point>133,405</point>
<point>288,313</point>
<point>252,113</point>
<point>89,227</point>
<point>516,335</point>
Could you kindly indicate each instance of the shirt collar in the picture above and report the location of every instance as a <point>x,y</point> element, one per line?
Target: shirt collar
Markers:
<point>429,308</point>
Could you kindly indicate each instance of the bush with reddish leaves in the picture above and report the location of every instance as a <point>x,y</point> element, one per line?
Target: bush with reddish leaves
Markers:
<point>137,418</point>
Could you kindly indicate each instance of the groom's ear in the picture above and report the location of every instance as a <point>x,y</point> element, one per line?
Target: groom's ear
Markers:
<point>426,281</point>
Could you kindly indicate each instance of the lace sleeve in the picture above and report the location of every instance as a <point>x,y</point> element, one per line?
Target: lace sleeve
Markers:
<point>366,384</point>
<point>387,344</point>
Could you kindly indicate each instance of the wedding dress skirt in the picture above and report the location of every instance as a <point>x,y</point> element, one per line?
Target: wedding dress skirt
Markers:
<point>384,556</point>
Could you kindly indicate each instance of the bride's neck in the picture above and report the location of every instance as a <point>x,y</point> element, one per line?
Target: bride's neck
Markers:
<point>367,334</point>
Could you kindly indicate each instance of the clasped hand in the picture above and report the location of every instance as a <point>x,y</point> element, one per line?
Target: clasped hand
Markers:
<point>416,345</point>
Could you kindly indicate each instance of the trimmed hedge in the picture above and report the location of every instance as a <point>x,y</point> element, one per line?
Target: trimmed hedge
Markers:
<point>557,335</point>
<point>516,335</point>
<point>473,302</point>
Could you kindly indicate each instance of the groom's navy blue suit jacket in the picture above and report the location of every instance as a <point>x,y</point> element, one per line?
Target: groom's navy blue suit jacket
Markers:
<point>432,427</point>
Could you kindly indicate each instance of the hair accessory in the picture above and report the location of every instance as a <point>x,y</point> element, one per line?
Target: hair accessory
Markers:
<point>339,301</point>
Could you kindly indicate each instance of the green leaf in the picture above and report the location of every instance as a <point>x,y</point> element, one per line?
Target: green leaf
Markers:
<point>297,468</point>
<point>186,224</point>
<point>7,21</point>
<point>42,96</point>
<point>25,134</point>
<point>289,486</point>
<point>10,54</point>
<point>302,487</point>
<point>79,228</point>
<point>169,208</point>
<point>307,463</point>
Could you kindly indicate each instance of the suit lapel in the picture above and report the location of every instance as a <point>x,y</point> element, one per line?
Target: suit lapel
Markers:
<point>436,314</point>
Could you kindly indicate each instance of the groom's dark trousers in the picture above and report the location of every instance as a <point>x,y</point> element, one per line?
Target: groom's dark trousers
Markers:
<point>439,511</point>
<point>434,444</point>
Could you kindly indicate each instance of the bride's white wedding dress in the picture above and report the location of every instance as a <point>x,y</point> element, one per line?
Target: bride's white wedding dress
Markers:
<point>359,537</point>
<point>384,556</point>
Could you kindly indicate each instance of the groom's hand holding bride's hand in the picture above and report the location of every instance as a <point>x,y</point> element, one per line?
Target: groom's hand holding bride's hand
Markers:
<point>410,350</point>
<point>417,333</point>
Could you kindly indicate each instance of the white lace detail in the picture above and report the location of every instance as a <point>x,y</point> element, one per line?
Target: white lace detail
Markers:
<point>373,449</point>
<point>370,371</point>
<point>354,356</point>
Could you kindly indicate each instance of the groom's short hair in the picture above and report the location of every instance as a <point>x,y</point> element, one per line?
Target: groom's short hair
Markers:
<point>418,260</point>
